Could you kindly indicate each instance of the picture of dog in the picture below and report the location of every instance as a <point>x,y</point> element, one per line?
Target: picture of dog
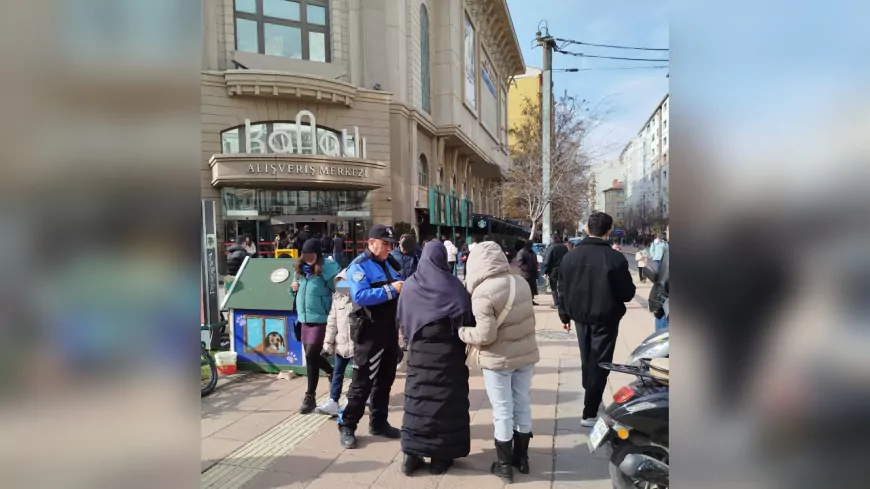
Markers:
<point>274,343</point>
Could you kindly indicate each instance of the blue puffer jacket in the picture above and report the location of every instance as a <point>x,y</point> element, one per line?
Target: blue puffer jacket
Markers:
<point>314,297</point>
<point>408,262</point>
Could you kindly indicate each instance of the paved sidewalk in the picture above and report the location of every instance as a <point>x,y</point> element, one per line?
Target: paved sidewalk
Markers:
<point>253,438</point>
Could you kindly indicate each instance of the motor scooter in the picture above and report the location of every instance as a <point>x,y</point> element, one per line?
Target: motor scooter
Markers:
<point>656,345</point>
<point>636,427</point>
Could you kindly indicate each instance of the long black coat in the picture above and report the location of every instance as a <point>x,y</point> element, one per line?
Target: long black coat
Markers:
<point>436,422</point>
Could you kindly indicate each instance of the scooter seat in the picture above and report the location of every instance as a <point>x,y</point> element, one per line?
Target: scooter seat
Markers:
<point>660,369</point>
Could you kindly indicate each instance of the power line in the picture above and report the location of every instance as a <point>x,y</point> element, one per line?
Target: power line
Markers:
<point>573,70</point>
<point>581,55</point>
<point>571,41</point>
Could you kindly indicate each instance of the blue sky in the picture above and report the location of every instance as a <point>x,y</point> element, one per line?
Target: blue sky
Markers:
<point>628,96</point>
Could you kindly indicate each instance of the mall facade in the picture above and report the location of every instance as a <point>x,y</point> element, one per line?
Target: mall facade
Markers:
<point>322,113</point>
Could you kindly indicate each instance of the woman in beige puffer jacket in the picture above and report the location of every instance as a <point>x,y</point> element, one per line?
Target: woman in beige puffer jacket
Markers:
<point>506,352</point>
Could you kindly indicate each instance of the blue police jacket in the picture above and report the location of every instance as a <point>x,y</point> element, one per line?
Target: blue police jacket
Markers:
<point>369,284</point>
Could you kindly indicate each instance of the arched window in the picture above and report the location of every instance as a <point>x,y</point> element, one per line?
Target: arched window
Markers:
<point>423,171</point>
<point>424,58</point>
<point>441,177</point>
<point>453,182</point>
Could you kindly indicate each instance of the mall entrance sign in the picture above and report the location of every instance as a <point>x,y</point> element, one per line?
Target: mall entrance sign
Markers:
<point>305,141</point>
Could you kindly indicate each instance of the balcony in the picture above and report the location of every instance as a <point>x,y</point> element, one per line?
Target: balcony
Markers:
<point>276,84</point>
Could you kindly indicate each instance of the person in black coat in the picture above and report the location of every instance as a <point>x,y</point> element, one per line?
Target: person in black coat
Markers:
<point>552,260</point>
<point>407,255</point>
<point>433,306</point>
<point>595,283</point>
<point>303,236</point>
<point>527,262</point>
<point>237,254</point>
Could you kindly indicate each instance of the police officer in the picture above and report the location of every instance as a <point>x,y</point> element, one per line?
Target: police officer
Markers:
<point>374,288</point>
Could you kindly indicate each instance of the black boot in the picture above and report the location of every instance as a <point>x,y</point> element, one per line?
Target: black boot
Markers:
<point>383,428</point>
<point>440,465</point>
<point>503,467</point>
<point>521,451</point>
<point>309,404</point>
<point>347,436</point>
<point>410,463</point>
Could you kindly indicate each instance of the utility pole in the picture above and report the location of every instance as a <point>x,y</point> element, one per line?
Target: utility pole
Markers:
<point>548,43</point>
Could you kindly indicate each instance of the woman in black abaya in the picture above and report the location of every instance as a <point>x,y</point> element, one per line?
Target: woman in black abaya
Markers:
<point>433,305</point>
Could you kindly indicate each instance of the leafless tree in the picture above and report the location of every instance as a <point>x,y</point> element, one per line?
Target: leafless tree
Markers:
<point>571,190</point>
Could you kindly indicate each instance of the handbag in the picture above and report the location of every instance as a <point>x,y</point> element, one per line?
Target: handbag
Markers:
<point>472,352</point>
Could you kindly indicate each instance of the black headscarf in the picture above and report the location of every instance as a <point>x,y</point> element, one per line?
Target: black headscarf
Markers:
<point>432,293</point>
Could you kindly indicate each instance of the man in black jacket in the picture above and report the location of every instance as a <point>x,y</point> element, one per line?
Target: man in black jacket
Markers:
<point>595,282</point>
<point>302,237</point>
<point>552,260</point>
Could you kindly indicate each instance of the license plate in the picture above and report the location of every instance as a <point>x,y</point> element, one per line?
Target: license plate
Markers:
<point>597,435</point>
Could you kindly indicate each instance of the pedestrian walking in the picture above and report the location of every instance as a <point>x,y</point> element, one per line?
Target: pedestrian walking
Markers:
<point>374,290</point>
<point>407,255</point>
<point>432,307</point>
<point>250,247</point>
<point>503,345</point>
<point>657,250</point>
<point>595,283</point>
<point>282,242</point>
<point>302,237</point>
<point>339,342</point>
<point>660,292</point>
<point>236,257</point>
<point>527,263</point>
<point>338,249</point>
<point>313,289</point>
<point>553,255</point>
<point>326,245</point>
<point>642,258</point>
<point>452,253</point>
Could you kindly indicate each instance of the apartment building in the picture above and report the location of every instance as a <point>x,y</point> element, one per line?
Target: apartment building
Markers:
<point>327,114</point>
<point>523,89</point>
<point>646,162</point>
<point>614,203</point>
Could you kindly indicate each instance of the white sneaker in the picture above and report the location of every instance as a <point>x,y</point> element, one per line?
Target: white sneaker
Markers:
<point>588,422</point>
<point>329,408</point>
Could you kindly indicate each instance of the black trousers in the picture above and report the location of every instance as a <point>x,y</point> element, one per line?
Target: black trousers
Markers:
<point>374,371</point>
<point>597,342</point>
<point>554,289</point>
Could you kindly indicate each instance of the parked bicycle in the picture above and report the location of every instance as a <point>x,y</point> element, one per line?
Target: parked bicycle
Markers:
<point>207,367</point>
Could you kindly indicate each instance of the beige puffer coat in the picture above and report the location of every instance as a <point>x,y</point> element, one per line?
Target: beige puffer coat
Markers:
<point>513,344</point>
<point>338,339</point>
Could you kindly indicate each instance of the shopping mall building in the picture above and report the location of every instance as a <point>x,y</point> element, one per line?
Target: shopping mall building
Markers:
<point>327,114</point>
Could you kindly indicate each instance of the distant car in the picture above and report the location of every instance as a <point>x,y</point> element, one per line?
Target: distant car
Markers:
<point>575,241</point>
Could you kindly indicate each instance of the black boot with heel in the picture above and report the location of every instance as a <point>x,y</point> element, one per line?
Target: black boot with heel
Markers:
<point>521,451</point>
<point>503,467</point>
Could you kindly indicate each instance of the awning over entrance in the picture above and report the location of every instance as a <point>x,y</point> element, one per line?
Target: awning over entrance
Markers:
<point>294,170</point>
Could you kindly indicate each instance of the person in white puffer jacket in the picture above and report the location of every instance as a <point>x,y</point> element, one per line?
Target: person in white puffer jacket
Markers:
<point>338,341</point>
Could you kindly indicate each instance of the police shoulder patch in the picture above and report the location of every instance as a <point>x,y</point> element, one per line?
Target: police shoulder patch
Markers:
<point>357,276</point>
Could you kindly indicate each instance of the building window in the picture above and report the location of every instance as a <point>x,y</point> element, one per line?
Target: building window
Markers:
<point>453,182</point>
<point>665,140</point>
<point>619,215</point>
<point>423,171</point>
<point>441,177</point>
<point>424,58</point>
<point>665,124</point>
<point>291,29</point>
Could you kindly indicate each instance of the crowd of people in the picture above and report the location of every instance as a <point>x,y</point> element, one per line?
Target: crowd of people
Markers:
<point>399,298</point>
